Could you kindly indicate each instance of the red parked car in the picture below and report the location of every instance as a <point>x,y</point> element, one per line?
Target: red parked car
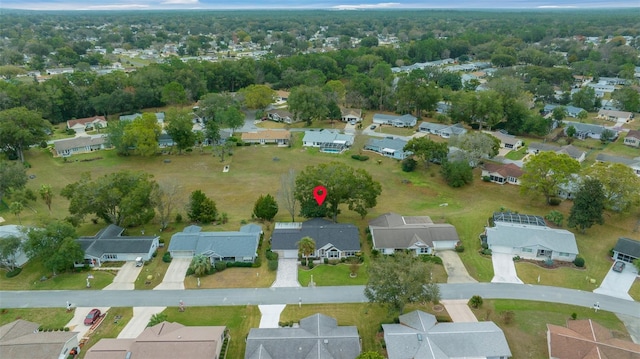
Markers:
<point>91,318</point>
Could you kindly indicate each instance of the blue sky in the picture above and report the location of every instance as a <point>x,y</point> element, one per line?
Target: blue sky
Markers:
<point>310,4</point>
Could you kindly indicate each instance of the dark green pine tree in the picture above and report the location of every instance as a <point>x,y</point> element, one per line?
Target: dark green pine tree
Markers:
<point>588,205</point>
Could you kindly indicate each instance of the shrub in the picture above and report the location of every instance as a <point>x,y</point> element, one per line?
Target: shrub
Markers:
<point>220,266</point>
<point>303,262</point>
<point>431,258</point>
<point>484,245</point>
<point>409,164</point>
<point>360,157</point>
<point>257,263</point>
<point>155,254</point>
<point>486,179</point>
<point>272,255</point>
<point>548,262</point>
<point>375,253</point>
<point>555,217</point>
<point>166,257</point>
<point>486,252</point>
<point>579,262</point>
<point>516,258</point>
<point>190,271</point>
<point>459,248</point>
<point>574,315</point>
<point>554,201</point>
<point>310,264</point>
<point>178,218</point>
<point>240,264</point>
<point>272,265</point>
<point>475,301</point>
<point>14,272</point>
<point>443,319</point>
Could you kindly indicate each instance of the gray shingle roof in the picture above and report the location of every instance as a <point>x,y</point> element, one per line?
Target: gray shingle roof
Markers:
<point>20,339</point>
<point>519,235</point>
<point>628,246</point>
<point>110,240</point>
<point>586,127</point>
<point>75,142</point>
<point>328,136</point>
<point>391,230</point>
<point>243,243</point>
<point>318,337</point>
<point>617,159</point>
<point>419,336</point>
<point>343,236</point>
<point>396,144</point>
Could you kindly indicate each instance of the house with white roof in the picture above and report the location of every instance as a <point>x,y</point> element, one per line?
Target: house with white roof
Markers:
<point>328,141</point>
<point>442,130</point>
<point>388,147</point>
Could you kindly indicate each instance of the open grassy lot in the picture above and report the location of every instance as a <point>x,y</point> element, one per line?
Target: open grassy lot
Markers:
<point>47,317</point>
<point>238,321</point>
<point>110,327</point>
<point>526,334</point>
<point>32,272</point>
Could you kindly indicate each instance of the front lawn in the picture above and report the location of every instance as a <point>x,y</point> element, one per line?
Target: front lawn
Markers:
<point>116,319</point>
<point>330,275</point>
<point>33,272</point>
<point>46,317</point>
<point>153,271</point>
<point>517,155</point>
<point>238,321</point>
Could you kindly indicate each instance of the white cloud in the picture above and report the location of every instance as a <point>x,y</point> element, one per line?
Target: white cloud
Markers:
<point>367,6</point>
<point>179,2</point>
<point>117,7</point>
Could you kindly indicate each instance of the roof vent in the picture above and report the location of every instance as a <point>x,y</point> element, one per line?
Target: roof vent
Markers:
<point>326,341</point>
<point>419,337</point>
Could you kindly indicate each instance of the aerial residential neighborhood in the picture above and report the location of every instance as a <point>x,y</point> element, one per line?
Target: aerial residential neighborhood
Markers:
<point>382,182</point>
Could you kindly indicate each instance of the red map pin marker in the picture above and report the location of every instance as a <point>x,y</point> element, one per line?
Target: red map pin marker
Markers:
<point>320,193</point>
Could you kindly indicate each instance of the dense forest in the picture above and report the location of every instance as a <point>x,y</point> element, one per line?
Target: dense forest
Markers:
<point>535,53</point>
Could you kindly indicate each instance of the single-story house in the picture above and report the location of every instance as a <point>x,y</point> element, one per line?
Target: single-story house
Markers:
<point>318,336</point>
<point>395,120</point>
<point>443,107</point>
<point>419,335</point>
<point>626,250</point>
<point>611,115</point>
<point>613,81</point>
<point>633,138</point>
<point>351,115</point>
<point>388,147</point>
<point>602,88</point>
<point>83,124</point>
<point>329,141</point>
<point>279,115</point>
<point>587,130</point>
<point>507,141</point>
<point>159,117</point>
<point>81,144</point>
<point>163,340</point>
<point>585,338</point>
<point>633,163</point>
<point>392,232</point>
<point>240,246</point>
<point>21,339</point>
<point>109,245</point>
<point>333,240</point>
<point>502,173</point>
<point>279,137</point>
<point>444,131</point>
<point>572,111</point>
<point>12,230</point>
<point>282,96</point>
<point>532,241</point>
<point>570,150</point>
<point>59,70</point>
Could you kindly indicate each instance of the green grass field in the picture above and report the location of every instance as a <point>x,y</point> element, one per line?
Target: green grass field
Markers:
<point>54,318</point>
<point>110,326</point>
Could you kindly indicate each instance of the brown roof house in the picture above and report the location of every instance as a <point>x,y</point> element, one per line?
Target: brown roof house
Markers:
<point>21,339</point>
<point>502,173</point>
<point>615,116</point>
<point>633,138</point>
<point>279,137</point>
<point>391,232</point>
<point>163,340</point>
<point>83,124</point>
<point>586,339</point>
<point>317,337</point>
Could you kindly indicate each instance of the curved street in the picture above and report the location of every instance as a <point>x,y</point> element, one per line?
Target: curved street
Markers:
<point>314,295</point>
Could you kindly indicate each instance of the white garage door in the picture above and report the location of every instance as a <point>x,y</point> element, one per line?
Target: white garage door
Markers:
<point>440,245</point>
<point>289,254</point>
<point>501,249</point>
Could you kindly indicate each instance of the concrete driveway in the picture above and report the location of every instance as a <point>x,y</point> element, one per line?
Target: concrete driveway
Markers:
<point>270,315</point>
<point>456,271</point>
<point>459,311</point>
<point>126,277</point>
<point>618,284</point>
<point>76,324</point>
<point>141,317</point>
<point>504,270</point>
<point>287,275</point>
<point>174,278</point>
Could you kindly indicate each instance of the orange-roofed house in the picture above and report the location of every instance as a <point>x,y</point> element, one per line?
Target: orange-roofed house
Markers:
<point>586,339</point>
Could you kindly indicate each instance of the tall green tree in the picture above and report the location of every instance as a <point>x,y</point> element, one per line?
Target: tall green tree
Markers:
<point>231,117</point>
<point>200,265</point>
<point>180,128</point>
<point>287,195</point>
<point>201,209</point>
<point>588,205</point>
<point>13,176</point>
<point>257,96</point>
<point>16,208</point>
<point>9,247</point>
<point>166,196</point>
<point>143,133</point>
<point>21,128</point>
<point>545,172</point>
<point>620,185</point>
<point>628,98</point>
<point>117,139</point>
<point>306,247</point>
<point>123,198</point>
<point>308,103</point>
<point>457,173</point>
<point>427,150</point>
<point>46,193</point>
<point>174,93</point>
<point>585,98</point>
<point>265,208</point>
<point>399,280</point>
<point>56,246</point>
<point>344,184</point>
<point>476,145</point>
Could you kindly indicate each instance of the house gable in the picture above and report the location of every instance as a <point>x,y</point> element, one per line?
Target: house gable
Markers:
<point>393,231</point>
<point>110,245</point>
<point>626,249</point>
<point>587,339</point>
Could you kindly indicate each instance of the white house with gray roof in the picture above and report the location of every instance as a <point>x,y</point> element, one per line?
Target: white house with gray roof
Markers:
<point>240,246</point>
<point>587,130</point>
<point>81,144</point>
<point>442,130</point>
<point>633,163</point>
<point>109,245</point>
<point>626,249</point>
<point>388,147</point>
<point>329,141</point>
<point>392,232</point>
<point>333,240</point>
<point>419,335</point>
<point>12,230</point>
<point>317,337</point>
<point>532,241</point>
<point>395,120</point>
<point>570,150</point>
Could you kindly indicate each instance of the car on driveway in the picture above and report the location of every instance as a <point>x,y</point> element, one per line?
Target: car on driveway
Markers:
<point>92,317</point>
<point>373,127</point>
<point>618,266</point>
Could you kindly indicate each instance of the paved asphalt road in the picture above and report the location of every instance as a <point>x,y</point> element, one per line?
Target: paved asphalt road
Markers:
<point>316,295</point>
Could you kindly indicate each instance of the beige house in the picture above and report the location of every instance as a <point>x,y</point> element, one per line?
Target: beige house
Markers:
<point>163,341</point>
<point>351,115</point>
<point>278,137</point>
<point>83,124</point>
<point>502,173</point>
<point>507,141</point>
<point>615,116</point>
<point>633,138</point>
<point>21,339</point>
<point>81,144</point>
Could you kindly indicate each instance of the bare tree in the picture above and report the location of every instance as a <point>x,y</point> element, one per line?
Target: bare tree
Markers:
<point>286,194</point>
<point>167,198</point>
